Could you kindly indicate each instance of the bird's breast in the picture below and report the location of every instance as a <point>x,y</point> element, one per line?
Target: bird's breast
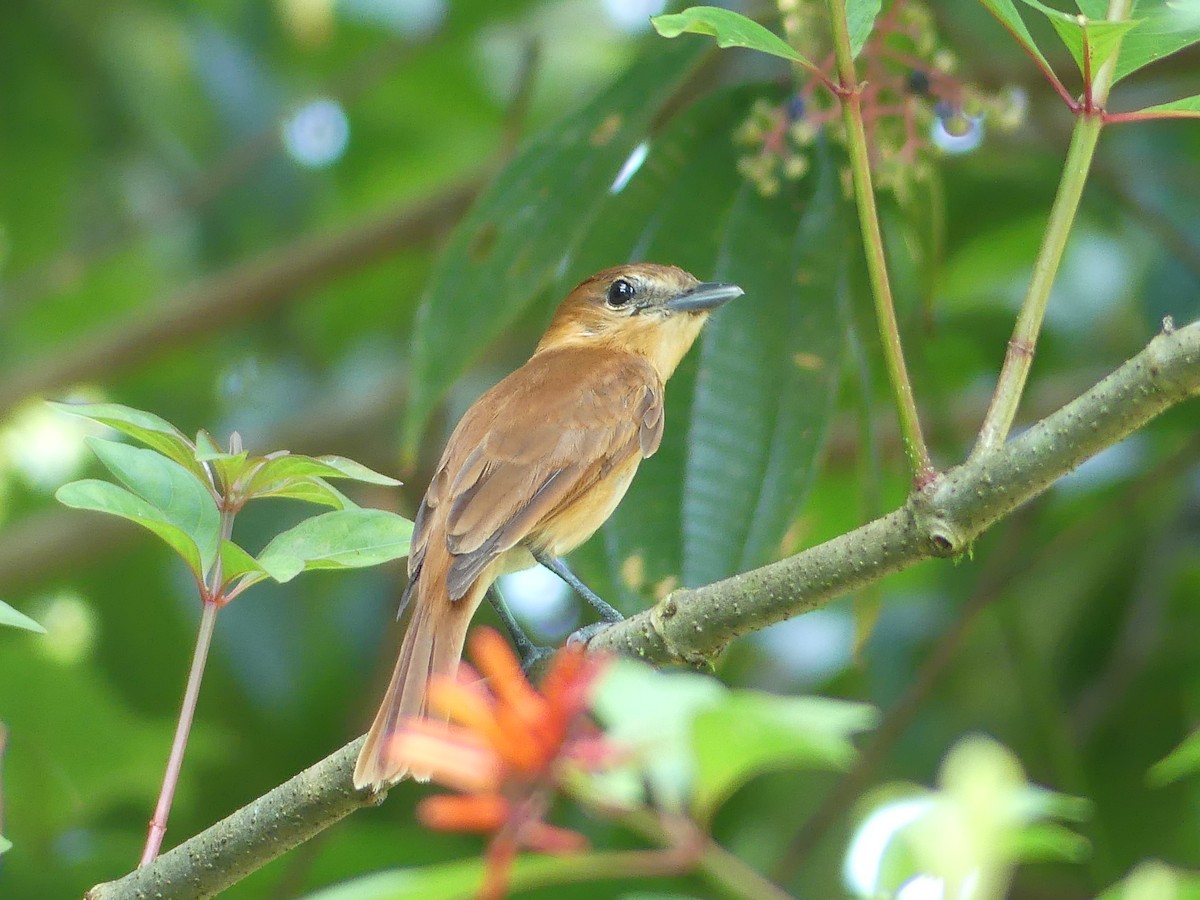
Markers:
<point>577,521</point>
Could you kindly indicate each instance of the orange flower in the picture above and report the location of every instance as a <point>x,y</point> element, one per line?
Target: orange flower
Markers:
<point>506,748</point>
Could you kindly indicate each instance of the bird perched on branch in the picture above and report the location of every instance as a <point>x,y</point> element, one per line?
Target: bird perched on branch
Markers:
<point>535,467</point>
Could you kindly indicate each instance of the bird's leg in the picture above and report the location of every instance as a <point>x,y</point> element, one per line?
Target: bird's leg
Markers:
<point>559,568</point>
<point>529,652</point>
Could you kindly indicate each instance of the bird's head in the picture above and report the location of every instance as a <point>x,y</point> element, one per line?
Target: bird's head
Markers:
<point>651,310</point>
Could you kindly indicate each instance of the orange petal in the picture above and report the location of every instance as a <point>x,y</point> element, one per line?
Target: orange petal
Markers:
<point>466,706</point>
<point>475,812</point>
<point>548,838</point>
<point>503,671</point>
<point>455,765</point>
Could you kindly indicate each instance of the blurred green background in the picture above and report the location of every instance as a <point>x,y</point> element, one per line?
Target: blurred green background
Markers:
<point>229,214</point>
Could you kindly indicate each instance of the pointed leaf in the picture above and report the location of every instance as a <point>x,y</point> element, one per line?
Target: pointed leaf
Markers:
<point>509,248</point>
<point>860,17</point>
<point>750,732</point>
<point>154,432</point>
<point>206,448</point>
<point>293,465</point>
<point>730,29</point>
<point>1100,38</point>
<point>309,490</point>
<point>1184,760</point>
<point>17,619</point>
<point>174,491</point>
<point>1006,12</point>
<point>105,497</point>
<point>348,538</point>
<point>236,562</point>
<point>1166,28</point>
<point>1187,108</point>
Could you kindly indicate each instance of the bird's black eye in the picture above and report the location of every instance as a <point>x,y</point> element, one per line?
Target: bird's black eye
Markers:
<point>620,292</point>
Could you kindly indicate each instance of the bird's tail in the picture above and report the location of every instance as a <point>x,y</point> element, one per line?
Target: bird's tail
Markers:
<point>432,645</point>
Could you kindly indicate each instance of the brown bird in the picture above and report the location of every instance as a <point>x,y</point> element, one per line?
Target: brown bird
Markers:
<point>535,467</point>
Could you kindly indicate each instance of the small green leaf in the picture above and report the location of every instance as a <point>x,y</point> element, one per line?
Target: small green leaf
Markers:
<point>5,844</point>
<point>236,562</point>
<point>1184,760</point>
<point>154,432</point>
<point>105,497</point>
<point>344,539</point>
<point>1006,13</point>
<point>730,29</point>
<point>17,619</point>
<point>274,473</point>
<point>207,449</point>
<point>750,732</point>
<point>1077,32</point>
<point>1155,880</point>
<point>860,17</point>
<point>1187,108</point>
<point>309,490</point>
<point>1165,29</point>
<point>182,498</point>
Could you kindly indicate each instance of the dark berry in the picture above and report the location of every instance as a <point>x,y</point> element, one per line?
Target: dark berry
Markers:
<point>796,108</point>
<point>944,109</point>
<point>918,82</point>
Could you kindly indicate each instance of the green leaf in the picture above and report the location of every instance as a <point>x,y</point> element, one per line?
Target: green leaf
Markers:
<point>1006,13</point>
<point>236,562</point>
<point>5,844</point>
<point>1165,29</point>
<point>749,732</point>
<point>730,29</point>
<point>344,539</point>
<point>462,880</point>
<point>1155,880</point>
<point>274,472</point>
<point>309,490</point>
<point>173,490</point>
<point>652,713</point>
<point>509,248</point>
<point>1184,760</point>
<point>228,466</point>
<point>105,497</point>
<point>769,369</point>
<point>1187,108</point>
<point>860,17</point>
<point>1100,38</point>
<point>154,432</point>
<point>17,619</point>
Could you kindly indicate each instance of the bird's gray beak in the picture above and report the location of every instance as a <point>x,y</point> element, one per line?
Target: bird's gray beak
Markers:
<point>704,296</point>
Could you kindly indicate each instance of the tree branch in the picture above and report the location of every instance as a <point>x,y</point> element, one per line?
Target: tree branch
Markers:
<point>689,626</point>
<point>250,838</point>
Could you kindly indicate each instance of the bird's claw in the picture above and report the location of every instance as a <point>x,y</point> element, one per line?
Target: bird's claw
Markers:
<point>587,632</point>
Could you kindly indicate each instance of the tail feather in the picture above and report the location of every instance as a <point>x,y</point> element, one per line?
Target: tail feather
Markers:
<point>432,645</point>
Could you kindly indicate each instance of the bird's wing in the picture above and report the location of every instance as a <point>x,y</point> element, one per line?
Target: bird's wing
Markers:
<point>505,470</point>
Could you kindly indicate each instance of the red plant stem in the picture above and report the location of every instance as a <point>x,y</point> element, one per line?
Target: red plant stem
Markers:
<point>158,823</point>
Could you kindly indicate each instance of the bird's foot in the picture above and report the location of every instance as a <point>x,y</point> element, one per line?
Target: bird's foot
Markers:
<point>587,632</point>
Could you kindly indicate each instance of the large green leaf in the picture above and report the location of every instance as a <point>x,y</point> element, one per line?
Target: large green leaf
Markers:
<point>293,465</point>
<point>343,539</point>
<point>731,29</point>
<point>749,733</point>
<point>1165,28</point>
<point>769,368</point>
<point>153,431</point>
<point>509,247</point>
<point>1091,43</point>
<point>105,497</point>
<point>177,493</point>
<point>17,619</point>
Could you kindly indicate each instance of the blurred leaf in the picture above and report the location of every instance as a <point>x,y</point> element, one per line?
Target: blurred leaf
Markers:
<point>652,713</point>
<point>1155,880</point>
<point>731,29</point>
<point>105,497</point>
<point>1187,108</point>
<point>1049,842</point>
<point>182,497</point>
<point>749,732</point>
<point>1006,12</point>
<point>509,247</point>
<point>151,430</point>
<point>18,619</point>
<point>768,375</point>
<point>1166,28</point>
<point>462,880</point>
<point>345,539</point>
<point>5,844</point>
<point>1184,760</point>
<point>1099,37</point>
<point>860,17</point>
<point>293,465</point>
